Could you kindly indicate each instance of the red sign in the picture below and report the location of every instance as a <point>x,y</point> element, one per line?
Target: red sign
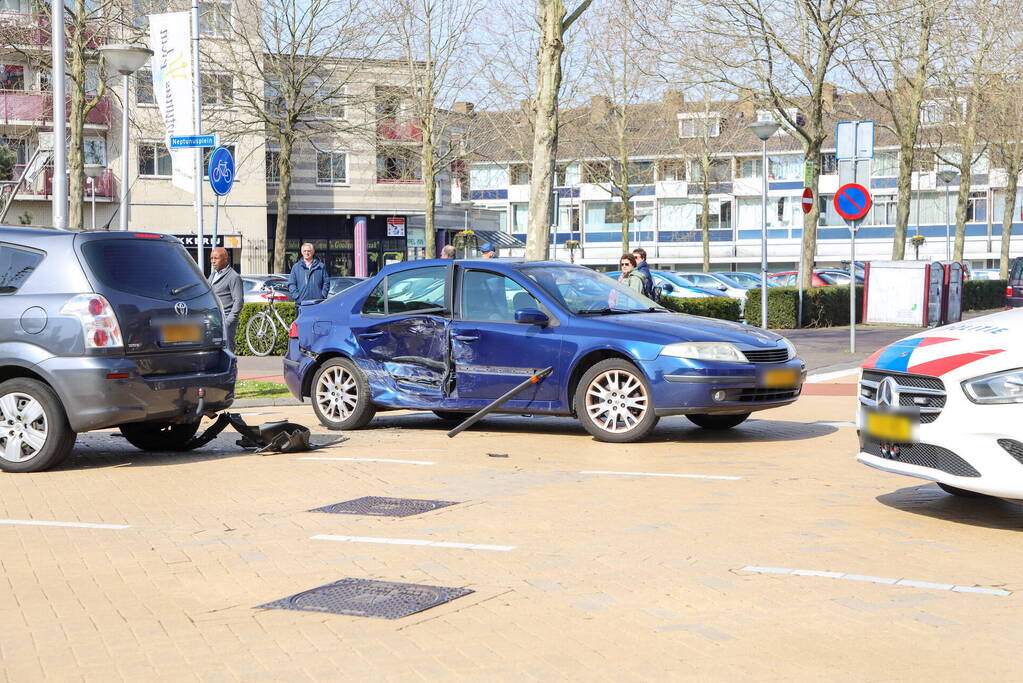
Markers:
<point>395,227</point>
<point>807,200</point>
<point>852,201</point>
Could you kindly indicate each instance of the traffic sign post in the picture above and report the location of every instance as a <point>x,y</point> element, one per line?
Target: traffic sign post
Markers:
<point>854,149</point>
<point>221,172</point>
<point>852,202</point>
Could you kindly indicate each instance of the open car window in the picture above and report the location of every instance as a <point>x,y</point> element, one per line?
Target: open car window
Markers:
<point>420,289</point>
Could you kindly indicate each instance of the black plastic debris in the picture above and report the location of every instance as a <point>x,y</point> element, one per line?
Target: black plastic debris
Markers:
<point>270,437</point>
<point>498,455</point>
<point>384,507</point>
<point>368,598</point>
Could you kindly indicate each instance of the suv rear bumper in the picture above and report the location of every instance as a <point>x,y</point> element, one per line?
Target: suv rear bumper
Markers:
<point>93,401</point>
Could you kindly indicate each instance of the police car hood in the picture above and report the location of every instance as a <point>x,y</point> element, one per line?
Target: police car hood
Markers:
<point>970,348</point>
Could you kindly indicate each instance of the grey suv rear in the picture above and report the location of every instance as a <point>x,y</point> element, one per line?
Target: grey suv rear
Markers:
<point>99,330</point>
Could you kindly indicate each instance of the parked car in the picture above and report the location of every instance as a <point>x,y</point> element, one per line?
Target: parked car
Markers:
<point>714,281</point>
<point>1014,287</point>
<point>944,405</point>
<point>254,288</point>
<point>984,274</point>
<point>666,284</point>
<point>744,280</point>
<point>790,279</point>
<point>99,330</point>
<point>339,284</point>
<point>452,336</point>
<point>838,277</point>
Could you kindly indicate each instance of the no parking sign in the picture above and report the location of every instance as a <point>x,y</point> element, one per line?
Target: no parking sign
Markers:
<point>852,201</point>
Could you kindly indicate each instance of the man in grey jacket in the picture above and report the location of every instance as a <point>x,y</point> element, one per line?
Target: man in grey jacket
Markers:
<point>227,285</point>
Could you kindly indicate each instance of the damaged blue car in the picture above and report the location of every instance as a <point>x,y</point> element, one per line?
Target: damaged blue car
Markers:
<point>453,336</point>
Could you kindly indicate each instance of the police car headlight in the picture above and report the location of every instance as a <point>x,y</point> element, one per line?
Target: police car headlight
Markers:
<point>721,351</point>
<point>1001,387</point>
<point>790,346</point>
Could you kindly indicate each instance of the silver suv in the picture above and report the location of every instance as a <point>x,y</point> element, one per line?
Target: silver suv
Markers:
<point>104,329</point>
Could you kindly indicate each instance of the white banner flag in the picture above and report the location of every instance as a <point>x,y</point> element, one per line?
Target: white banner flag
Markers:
<point>169,36</point>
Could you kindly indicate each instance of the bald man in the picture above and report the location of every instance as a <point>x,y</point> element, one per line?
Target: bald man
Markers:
<point>227,285</point>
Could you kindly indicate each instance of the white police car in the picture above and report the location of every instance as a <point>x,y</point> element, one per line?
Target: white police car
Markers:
<point>947,405</point>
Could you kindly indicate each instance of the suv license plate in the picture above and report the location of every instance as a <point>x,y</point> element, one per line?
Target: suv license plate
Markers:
<point>782,378</point>
<point>181,334</point>
<point>889,427</point>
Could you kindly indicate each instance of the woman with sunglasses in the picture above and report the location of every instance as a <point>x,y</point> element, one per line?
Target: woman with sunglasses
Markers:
<point>630,277</point>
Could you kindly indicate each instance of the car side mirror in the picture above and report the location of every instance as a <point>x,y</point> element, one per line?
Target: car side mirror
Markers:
<point>531,316</point>
<point>667,287</point>
<point>722,288</point>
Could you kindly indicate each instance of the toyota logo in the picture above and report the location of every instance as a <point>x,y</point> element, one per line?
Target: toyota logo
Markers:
<point>888,393</point>
<point>181,308</point>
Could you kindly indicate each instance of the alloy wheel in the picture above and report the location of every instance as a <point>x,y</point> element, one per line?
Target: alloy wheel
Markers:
<point>616,401</point>
<point>23,427</point>
<point>337,393</point>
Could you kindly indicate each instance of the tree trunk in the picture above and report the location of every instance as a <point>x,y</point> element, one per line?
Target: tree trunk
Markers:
<point>903,198</point>
<point>429,197</point>
<point>962,202</point>
<point>287,147</point>
<point>1008,214</point>
<point>545,129</point>
<point>808,252</point>
<point>76,120</point>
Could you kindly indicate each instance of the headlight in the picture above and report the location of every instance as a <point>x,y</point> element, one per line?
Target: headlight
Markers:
<point>790,346</point>
<point>1001,387</point>
<point>722,351</point>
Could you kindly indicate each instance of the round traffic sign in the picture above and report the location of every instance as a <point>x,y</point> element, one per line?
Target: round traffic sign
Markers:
<point>852,201</point>
<point>807,200</point>
<point>221,170</point>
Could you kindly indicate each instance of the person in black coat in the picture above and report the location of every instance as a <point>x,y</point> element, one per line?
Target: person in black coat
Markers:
<point>644,270</point>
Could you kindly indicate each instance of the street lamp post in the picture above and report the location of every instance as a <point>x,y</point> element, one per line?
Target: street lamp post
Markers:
<point>91,172</point>
<point>125,60</point>
<point>763,130</point>
<point>946,177</point>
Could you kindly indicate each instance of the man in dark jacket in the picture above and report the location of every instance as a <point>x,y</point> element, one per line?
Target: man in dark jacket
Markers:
<point>227,286</point>
<point>308,278</point>
<point>643,269</point>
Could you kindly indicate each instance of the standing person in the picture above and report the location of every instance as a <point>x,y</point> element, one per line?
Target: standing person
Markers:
<point>487,250</point>
<point>448,251</point>
<point>630,276</point>
<point>227,286</point>
<point>308,278</point>
<point>644,271</point>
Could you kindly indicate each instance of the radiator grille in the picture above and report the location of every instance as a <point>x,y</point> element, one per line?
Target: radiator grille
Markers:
<point>753,395</point>
<point>1013,448</point>
<point>767,355</point>
<point>927,394</point>
<point>926,455</point>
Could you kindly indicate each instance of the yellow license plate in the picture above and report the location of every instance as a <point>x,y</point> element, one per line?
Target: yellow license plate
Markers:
<point>782,378</point>
<point>181,334</point>
<point>889,427</point>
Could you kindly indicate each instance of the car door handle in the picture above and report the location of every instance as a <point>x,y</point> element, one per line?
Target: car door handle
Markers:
<point>371,335</point>
<point>467,337</point>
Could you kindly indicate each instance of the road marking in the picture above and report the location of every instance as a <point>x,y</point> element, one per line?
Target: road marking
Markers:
<point>662,474</point>
<point>408,541</point>
<point>878,579</point>
<point>76,525</point>
<point>399,462</point>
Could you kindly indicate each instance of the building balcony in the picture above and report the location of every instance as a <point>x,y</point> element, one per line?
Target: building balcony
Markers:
<point>41,183</point>
<point>34,30</point>
<point>35,107</point>
<point>394,130</point>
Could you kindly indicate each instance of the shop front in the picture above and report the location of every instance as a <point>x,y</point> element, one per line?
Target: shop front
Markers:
<point>335,238</point>
<point>233,244</point>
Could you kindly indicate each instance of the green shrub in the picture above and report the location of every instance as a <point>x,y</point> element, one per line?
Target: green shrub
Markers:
<point>287,311</point>
<point>711,307</point>
<point>980,295</point>
<point>822,306</point>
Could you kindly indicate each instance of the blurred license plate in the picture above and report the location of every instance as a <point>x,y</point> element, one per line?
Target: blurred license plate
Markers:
<point>181,334</point>
<point>889,427</point>
<point>782,378</point>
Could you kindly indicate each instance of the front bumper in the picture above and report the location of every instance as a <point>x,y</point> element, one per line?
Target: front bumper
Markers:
<point>94,402</point>
<point>680,386</point>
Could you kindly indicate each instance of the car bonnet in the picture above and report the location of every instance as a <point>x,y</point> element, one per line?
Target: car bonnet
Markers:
<point>676,327</point>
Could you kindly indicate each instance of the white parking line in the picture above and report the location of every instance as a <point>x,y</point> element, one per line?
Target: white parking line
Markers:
<point>399,462</point>
<point>878,579</point>
<point>662,474</point>
<point>76,525</point>
<point>407,541</point>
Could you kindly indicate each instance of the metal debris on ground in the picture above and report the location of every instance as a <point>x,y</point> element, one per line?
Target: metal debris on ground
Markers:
<point>270,437</point>
<point>384,507</point>
<point>367,598</point>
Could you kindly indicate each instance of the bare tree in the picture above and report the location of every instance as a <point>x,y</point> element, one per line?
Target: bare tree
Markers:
<point>554,24</point>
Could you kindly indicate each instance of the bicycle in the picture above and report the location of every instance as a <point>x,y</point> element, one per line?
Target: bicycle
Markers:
<point>261,330</point>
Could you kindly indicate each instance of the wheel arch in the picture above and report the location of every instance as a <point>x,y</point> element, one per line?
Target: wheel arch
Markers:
<point>307,381</point>
<point>586,362</point>
<point>16,371</point>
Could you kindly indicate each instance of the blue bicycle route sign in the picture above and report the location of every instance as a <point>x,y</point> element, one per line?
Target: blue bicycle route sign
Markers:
<point>221,170</point>
<point>852,201</point>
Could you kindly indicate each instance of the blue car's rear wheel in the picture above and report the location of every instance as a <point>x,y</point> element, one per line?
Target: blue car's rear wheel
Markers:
<point>340,395</point>
<point>613,402</point>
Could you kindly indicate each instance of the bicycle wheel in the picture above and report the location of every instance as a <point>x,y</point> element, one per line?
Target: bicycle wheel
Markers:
<point>260,334</point>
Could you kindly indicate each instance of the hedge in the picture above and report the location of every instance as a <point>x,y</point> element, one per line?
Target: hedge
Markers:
<point>822,306</point>
<point>720,307</point>
<point>980,295</point>
<point>287,311</point>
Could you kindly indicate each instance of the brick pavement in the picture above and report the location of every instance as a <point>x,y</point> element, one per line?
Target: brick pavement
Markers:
<point>613,577</point>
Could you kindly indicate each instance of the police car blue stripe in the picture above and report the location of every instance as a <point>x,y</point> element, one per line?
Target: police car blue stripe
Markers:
<point>896,357</point>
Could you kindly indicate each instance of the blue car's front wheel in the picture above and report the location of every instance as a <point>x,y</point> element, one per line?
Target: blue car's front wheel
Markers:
<point>340,395</point>
<point>614,403</point>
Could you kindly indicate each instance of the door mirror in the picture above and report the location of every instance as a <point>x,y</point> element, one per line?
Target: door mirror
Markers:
<point>667,287</point>
<point>531,316</point>
<point>722,288</point>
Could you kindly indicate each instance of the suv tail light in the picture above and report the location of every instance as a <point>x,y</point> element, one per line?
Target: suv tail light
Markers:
<point>1008,291</point>
<point>99,324</point>
<point>293,331</point>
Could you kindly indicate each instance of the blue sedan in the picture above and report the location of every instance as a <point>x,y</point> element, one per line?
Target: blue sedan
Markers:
<point>452,336</point>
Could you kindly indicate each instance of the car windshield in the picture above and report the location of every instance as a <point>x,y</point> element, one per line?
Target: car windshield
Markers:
<point>744,280</point>
<point>674,279</point>
<point>586,292</point>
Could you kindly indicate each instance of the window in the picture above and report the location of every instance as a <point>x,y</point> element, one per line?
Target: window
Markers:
<point>16,145</point>
<point>15,267</point>
<point>149,268</point>
<point>719,171</point>
<point>95,151</point>
<point>16,6</point>
<point>44,79</point>
<point>886,165</point>
<point>490,296</point>
<point>520,216</point>
<point>12,77</point>
<point>641,172</point>
<point>154,159</point>
<point>595,172</point>
<point>331,101</point>
<point>935,112</point>
<point>791,114</point>
<point>144,87</point>
<point>417,290</point>
<point>567,176</point>
<point>789,167</point>
<point>273,99</point>
<point>749,167</point>
<point>141,9</point>
<point>783,213</point>
<point>608,216</point>
<point>207,151</point>
<point>489,177</point>
<point>389,102</point>
<point>882,212</point>
<point>673,169</point>
<point>399,165</point>
<point>217,90</point>
<point>699,125</point>
<point>331,168</point>
<point>272,158</point>
<point>684,215</point>
<point>215,17</point>
<point>518,174</point>
<point>829,163</point>
<point>976,207</point>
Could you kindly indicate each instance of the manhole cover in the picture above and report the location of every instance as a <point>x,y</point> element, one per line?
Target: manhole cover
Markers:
<point>367,598</point>
<point>384,507</point>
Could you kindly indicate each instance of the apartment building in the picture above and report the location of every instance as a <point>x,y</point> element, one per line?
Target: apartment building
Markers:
<point>680,151</point>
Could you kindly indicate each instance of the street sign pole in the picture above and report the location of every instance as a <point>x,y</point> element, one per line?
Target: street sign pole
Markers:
<point>221,172</point>
<point>852,287</point>
<point>197,130</point>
